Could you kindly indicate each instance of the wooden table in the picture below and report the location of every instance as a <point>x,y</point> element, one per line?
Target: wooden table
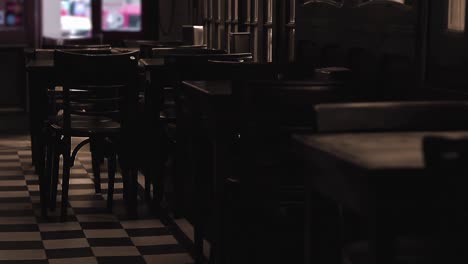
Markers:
<point>373,174</point>
<point>40,78</point>
<point>219,120</point>
<point>205,128</point>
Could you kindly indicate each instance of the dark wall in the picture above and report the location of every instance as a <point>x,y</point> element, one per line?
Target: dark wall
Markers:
<point>447,61</point>
<point>380,41</point>
<point>12,44</point>
<point>173,14</point>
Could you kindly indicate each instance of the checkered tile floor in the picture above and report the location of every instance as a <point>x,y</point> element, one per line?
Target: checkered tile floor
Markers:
<point>92,234</point>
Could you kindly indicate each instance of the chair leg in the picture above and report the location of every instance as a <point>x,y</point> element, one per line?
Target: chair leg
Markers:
<point>95,156</point>
<point>198,243</point>
<point>45,178</point>
<point>158,186</point>
<point>125,186</point>
<point>111,167</point>
<point>148,182</point>
<point>65,179</point>
<point>54,176</point>
<point>158,176</point>
<point>41,158</point>
<point>132,199</point>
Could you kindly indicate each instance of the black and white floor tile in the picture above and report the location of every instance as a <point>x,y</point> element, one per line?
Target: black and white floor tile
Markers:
<point>91,234</point>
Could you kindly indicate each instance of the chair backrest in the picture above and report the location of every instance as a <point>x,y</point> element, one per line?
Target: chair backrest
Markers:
<point>206,58</point>
<point>97,85</point>
<point>183,50</point>
<point>48,54</point>
<point>155,51</point>
<point>392,116</point>
<point>200,66</point>
<point>136,43</point>
<point>84,46</point>
<point>60,42</point>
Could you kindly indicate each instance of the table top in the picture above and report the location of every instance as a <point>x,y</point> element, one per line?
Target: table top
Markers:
<point>374,151</point>
<point>211,88</point>
<point>39,64</point>
<point>49,64</point>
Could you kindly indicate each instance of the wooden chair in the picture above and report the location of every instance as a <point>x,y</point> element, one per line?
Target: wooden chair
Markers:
<point>99,100</point>
<point>54,93</point>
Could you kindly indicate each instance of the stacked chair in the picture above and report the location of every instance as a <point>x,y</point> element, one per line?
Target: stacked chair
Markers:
<point>53,91</point>
<point>184,64</point>
<point>99,97</point>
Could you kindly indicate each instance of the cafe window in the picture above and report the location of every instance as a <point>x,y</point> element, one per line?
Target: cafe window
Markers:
<point>268,29</point>
<point>456,15</point>
<point>220,23</point>
<point>75,18</point>
<point>291,28</point>
<point>228,22</point>
<point>207,21</point>
<point>269,11</point>
<point>269,45</point>
<point>251,14</point>
<point>121,15</point>
<point>11,13</point>
<point>232,19</point>
<point>235,15</point>
<point>291,45</point>
<point>66,18</point>
<point>255,28</point>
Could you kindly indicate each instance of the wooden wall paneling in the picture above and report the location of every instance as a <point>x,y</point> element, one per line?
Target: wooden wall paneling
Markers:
<point>447,62</point>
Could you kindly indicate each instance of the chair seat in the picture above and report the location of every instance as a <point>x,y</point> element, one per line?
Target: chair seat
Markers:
<point>87,125</point>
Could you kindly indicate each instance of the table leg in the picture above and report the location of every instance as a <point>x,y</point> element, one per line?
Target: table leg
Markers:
<point>382,235</point>
<point>38,108</point>
<point>323,239</point>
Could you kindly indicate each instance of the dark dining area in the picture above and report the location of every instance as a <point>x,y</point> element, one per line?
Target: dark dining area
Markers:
<point>233,131</point>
